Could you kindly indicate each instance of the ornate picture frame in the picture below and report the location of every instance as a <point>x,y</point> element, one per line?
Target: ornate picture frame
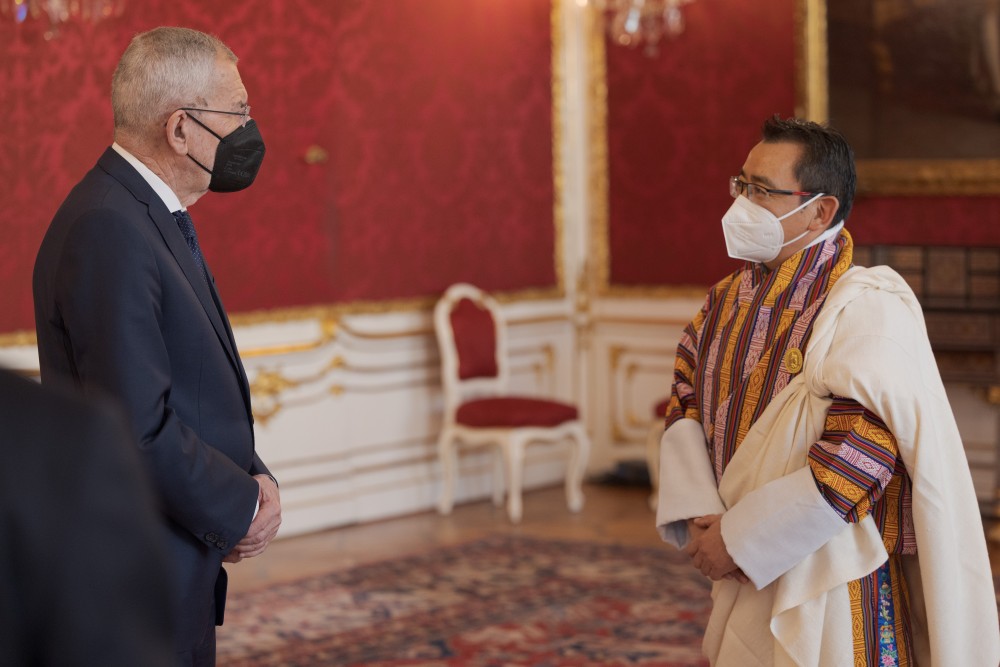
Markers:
<point>942,171</point>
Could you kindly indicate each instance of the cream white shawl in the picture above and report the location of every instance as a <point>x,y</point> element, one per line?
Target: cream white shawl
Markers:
<point>869,343</point>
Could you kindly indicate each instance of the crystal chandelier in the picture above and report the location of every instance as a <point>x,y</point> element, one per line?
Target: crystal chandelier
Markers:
<point>61,11</point>
<point>646,22</point>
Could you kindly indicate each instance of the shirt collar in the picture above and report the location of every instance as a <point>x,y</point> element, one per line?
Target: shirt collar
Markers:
<point>159,187</point>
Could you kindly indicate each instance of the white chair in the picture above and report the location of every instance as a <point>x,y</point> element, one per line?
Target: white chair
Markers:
<point>478,411</point>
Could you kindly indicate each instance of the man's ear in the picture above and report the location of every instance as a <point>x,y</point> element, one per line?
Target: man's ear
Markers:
<point>176,130</point>
<point>825,208</point>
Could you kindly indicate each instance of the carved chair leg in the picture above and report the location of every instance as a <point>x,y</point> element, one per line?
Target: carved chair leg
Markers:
<point>498,477</point>
<point>575,469</point>
<point>449,464</point>
<point>514,455</point>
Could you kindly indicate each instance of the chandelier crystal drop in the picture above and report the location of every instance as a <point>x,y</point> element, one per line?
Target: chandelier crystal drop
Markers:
<point>642,22</point>
<point>57,12</point>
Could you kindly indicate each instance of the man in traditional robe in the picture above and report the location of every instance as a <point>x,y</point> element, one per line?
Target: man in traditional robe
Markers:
<point>811,465</point>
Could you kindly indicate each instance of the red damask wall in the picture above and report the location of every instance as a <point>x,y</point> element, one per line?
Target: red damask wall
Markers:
<point>436,116</point>
<point>680,124</point>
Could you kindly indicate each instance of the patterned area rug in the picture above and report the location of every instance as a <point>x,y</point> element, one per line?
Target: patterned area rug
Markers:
<point>498,601</point>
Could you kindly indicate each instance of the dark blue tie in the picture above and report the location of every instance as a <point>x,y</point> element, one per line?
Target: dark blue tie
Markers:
<point>186,225</point>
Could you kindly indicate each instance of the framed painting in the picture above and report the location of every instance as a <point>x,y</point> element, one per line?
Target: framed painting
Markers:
<point>913,84</point>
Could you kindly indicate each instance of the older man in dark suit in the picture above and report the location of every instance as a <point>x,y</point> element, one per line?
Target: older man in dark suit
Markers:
<point>125,305</point>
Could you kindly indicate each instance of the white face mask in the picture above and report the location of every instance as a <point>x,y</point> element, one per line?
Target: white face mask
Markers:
<point>755,234</point>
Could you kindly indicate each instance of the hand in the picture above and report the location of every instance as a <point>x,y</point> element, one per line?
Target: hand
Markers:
<point>264,526</point>
<point>708,552</point>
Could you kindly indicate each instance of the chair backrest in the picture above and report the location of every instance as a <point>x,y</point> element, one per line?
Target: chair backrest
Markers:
<point>472,339</point>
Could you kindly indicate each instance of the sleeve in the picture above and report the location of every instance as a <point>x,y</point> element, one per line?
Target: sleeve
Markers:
<point>848,471</point>
<point>258,468</point>
<point>683,398</point>
<point>109,295</point>
<point>687,486</point>
<point>854,460</point>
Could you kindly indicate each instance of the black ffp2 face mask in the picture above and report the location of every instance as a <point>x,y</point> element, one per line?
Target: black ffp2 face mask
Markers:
<point>237,158</point>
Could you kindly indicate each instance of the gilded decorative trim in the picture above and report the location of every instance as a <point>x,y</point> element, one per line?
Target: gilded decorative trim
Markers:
<point>18,339</point>
<point>991,395</point>
<point>656,291</point>
<point>558,133</point>
<point>811,60</point>
<point>600,252</point>
<point>878,177</point>
<point>619,434</point>
<point>329,328</point>
<point>314,460</point>
<point>669,321</point>
<point>599,188</point>
<point>267,393</point>
<point>268,386</point>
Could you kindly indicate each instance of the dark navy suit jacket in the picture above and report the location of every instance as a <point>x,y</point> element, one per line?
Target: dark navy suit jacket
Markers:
<point>120,309</point>
<point>83,569</point>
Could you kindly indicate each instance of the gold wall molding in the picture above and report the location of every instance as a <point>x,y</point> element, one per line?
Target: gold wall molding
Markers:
<point>598,244</point>
<point>907,177</point>
<point>268,386</point>
<point>558,134</point>
<point>649,321</point>
<point>328,328</point>
<point>599,284</point>
<point>619,432</point>
<point>18,339</point>
<point>341,455</point>
<point>656,291</point>
<point>483,466</point>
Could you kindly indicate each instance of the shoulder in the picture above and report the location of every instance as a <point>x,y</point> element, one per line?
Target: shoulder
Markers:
<point>98,212</point>
<point>874,299</point>
<point>718,291</point>
<point>871,319</point>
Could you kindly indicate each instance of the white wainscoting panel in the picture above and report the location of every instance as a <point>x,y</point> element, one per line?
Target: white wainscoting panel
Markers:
<point>349,426</point>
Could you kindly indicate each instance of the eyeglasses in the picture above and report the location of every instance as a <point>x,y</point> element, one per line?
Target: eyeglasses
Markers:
<point>244,115</point>
<point>739,187</point>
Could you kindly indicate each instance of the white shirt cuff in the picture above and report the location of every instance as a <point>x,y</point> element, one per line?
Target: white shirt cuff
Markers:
<point>687,481</point>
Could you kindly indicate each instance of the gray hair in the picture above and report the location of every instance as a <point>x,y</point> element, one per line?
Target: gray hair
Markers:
<point>162,70</point>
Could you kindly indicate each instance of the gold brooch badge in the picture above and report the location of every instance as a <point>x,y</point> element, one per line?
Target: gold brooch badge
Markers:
<point>793,360</point>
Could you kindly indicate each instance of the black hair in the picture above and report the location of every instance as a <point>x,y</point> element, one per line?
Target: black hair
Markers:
<point>827,162</point>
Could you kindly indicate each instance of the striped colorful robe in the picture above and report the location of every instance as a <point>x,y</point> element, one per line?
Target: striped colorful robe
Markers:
<point>739,352</point>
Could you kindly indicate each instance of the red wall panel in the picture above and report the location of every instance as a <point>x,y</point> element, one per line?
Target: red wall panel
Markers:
<point>681,123</point>
<point>436,115</point>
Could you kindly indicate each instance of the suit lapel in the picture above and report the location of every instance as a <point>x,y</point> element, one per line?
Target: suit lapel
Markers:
<point>240,371</point>
<point>178,247</point>
<point>166,224</point>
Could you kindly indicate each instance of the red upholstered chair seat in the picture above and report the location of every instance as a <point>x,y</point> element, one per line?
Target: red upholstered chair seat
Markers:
<point>514,411</point>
